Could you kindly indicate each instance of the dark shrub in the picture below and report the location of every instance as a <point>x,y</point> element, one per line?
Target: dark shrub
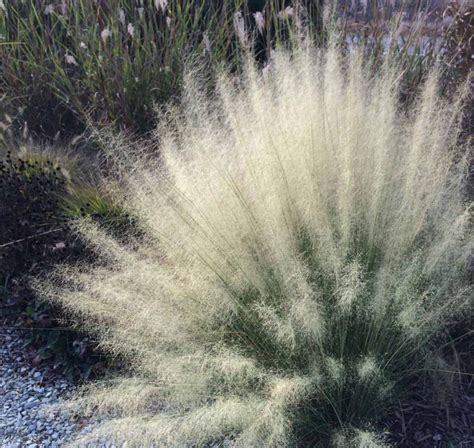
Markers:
<point>37,202</point>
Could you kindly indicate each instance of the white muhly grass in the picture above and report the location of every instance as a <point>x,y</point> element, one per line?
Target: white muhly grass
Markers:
<point>266,69</point>
<point>207,43</point>
<point>161,4</point>
<point>364,5</point>
<point>302,240</point>
<point>359,439</point>
<point>368,369</point>
<point>48,9</point>
<point>349,286</point>
<point>259,21</point>
<point>286,13</point>
<point>239,27</point>
<point>121,16</point>
<point>70,59</point>
<point>367,439</point>
<point>105,34</point>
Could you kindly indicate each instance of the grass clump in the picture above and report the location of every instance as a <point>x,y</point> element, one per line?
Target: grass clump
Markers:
<point>306,245</point>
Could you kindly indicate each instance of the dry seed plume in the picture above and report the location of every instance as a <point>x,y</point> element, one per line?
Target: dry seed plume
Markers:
<point>303,241</point>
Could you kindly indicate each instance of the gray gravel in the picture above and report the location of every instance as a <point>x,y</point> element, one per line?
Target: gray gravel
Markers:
<point>25,392</point>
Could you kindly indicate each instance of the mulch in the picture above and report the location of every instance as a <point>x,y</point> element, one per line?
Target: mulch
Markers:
<point>437,411</point>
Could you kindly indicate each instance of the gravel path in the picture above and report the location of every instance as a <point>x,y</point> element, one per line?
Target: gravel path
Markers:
<point>24,392</point>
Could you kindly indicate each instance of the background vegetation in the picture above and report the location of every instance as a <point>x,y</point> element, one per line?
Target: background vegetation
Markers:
<point>64,63</point>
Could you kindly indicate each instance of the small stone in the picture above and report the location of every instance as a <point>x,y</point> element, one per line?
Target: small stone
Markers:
<point>31,404</point>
